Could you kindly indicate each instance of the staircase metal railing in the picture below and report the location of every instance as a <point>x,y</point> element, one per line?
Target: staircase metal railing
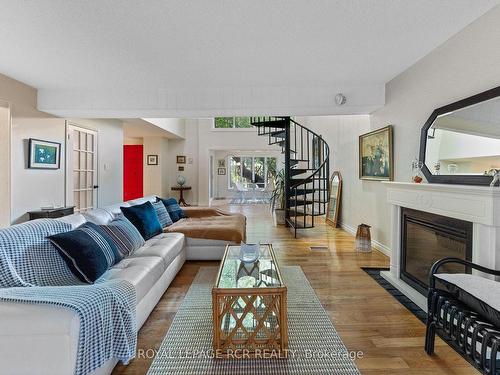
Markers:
<point>307,156</point>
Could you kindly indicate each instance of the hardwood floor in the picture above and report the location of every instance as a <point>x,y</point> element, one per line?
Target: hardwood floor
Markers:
<point>367,317</point>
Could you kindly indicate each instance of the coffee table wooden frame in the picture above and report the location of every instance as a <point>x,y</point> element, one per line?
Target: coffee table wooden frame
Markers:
<point>275,302</point>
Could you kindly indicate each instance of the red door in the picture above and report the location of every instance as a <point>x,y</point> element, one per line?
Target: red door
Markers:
<point>132,172</point>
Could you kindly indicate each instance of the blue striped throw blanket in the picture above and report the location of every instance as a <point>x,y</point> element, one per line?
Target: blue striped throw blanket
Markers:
<point>31,271</point>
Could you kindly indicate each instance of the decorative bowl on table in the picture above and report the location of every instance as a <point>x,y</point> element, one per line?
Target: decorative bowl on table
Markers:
<point>249,253</point>
<point>181,180</point>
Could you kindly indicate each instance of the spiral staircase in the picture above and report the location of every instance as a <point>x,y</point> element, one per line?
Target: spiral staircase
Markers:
<point>307,168</point>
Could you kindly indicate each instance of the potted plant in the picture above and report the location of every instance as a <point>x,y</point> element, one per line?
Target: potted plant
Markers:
<point>277,200</point>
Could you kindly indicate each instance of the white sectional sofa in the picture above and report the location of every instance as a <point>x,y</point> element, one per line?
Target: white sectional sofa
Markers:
<point>40,339</point>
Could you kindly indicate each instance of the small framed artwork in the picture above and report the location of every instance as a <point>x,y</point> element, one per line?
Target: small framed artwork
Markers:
<point>152,159</point>
<point>221,163</point>
<point>181,168</point>
<point>375,155</point>
<point>221,171</point>
<point>44,154</point>
<point>181,159</point>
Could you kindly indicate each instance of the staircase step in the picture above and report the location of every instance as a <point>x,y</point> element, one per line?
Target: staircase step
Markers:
<point>279,124</point>
<point>278,134</point>
<point>303,191</point>
<point>300,202</point>
<point>298,181</point>
<point>297,171</point>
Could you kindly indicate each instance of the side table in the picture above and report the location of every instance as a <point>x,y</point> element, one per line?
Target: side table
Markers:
<point>181,190</point>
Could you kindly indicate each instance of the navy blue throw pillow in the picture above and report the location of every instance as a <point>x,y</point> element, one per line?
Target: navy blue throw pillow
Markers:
<point>173,209</point>
<point>144,218</point>
<point>87,250</point>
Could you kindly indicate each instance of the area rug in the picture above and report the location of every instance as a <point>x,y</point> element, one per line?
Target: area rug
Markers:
<point>314,345</point>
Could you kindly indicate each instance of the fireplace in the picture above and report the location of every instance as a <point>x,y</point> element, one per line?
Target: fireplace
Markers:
<point>426,238</point>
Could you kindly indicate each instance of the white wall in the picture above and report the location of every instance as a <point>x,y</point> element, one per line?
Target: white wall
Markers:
<point>465,65</point>
<point>175,126</point>
<point>156,177</point>
<point>31,188</point>
<point>360,198</point>
<point>5,163</point>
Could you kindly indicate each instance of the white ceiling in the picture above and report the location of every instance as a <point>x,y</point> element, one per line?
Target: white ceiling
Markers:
<point>199,57</point>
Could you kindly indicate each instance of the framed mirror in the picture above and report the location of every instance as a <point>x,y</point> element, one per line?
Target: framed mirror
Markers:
<point>460,142</point>
<point>332,213</point>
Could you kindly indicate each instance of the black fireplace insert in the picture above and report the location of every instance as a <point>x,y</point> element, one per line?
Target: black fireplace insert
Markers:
<point>426,238</point>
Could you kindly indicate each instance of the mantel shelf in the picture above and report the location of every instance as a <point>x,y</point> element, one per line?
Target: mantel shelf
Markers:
<point>447,188</point>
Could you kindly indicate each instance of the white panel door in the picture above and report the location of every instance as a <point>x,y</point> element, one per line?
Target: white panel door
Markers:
<point>81,167</point>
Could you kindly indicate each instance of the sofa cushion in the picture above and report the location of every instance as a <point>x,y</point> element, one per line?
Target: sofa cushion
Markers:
<point>124,234</point>
<point>87,250</point>
<point>482,295</point>
<point>166,246</point>
<point>144,218</point>
<point>173,209</point>
<point>162,213</point>
<point>148,198</point>
<point>75,220</point>
<point>115,209</point>
<point>141,272</point>
<point>230,227</point>
<point>98,216</point>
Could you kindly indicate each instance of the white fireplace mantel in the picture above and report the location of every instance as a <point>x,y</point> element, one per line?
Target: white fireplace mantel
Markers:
<point>477,204</point>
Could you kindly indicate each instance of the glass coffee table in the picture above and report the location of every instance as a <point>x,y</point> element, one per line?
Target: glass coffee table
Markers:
<point>249,306</point>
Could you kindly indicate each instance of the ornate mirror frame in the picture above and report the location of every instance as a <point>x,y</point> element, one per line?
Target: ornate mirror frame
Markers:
<point>334,221</point>
<point>454,179</point>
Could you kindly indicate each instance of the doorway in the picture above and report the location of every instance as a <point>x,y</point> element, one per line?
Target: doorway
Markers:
<point>133,172</point>
<point>81,167</point>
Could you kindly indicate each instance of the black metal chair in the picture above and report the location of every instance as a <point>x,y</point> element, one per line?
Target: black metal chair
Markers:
<point>469,332</point>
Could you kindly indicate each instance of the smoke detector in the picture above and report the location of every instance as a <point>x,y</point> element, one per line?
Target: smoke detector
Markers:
<point>340,99</point>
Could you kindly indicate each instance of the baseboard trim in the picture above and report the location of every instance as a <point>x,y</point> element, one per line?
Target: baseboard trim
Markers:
<point>384,249</point>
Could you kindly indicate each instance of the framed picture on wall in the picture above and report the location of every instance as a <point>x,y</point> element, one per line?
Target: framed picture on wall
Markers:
<point>181,159</point>
<point>221,171</point>
<point>221,163</point>
<point>152,159</point>
<point>43,154</point>
<point>375,155</point>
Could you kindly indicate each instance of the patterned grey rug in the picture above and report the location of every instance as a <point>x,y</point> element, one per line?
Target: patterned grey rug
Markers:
<point>314,345</point>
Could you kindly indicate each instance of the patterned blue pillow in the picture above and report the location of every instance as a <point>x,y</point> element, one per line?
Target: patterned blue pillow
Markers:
<point>87,250</point>
<point>144,218</point>
<point>163,215</point>
<point>125,236</point>
<point>173,209</point>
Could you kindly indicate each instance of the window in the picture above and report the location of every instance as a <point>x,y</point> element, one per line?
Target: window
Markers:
<point>258,170</point>
<point>232,122</point>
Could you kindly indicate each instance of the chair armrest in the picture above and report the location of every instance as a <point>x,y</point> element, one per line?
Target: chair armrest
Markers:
<point>435,267</point>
